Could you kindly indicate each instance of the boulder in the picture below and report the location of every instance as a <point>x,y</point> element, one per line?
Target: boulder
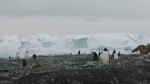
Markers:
<point>147,49</point>
<point>143,49</point>
<point>140,48</point>
<point>36,65</point>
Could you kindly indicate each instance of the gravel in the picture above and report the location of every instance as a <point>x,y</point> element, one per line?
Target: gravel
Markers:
<point>76,69</point>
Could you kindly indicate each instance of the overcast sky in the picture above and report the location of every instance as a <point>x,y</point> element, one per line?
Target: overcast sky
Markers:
<point>67,17</point>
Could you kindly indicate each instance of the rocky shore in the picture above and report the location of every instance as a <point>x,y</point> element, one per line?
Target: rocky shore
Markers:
<point>76,69</point>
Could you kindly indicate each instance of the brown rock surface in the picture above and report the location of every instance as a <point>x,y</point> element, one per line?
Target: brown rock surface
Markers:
<point>36,65</point>
<point>143,49</point>
<point>140,48</point>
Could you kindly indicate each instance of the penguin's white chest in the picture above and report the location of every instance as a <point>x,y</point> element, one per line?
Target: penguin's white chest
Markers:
<point>26,56</point>
<point>17,56</point>
<point>105,58</point>
<point>115,56</point>
<point>11,57</point>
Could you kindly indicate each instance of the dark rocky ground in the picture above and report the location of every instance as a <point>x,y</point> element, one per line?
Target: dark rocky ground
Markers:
<point>76,69</point>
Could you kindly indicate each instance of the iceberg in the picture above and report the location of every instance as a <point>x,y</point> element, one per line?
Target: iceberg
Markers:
<point>44,44</point>
<point>9,46</point>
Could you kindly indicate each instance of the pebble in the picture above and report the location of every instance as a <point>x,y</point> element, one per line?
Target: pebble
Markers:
<point>61,63</point>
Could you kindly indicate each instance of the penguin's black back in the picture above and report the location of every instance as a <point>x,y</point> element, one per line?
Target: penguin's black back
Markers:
<point>112,56</point>
<point>99,53</point>
<point>34,56</point>
<point>119,53</point>
<point>24,63</point>
<point>79,52</point>
<point>114,51</point>
<point>95,57</point>
<point>105,49</point>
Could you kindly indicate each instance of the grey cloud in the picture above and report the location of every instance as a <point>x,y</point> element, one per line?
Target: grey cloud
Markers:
<point>25,26</point>
<point>88,9</point>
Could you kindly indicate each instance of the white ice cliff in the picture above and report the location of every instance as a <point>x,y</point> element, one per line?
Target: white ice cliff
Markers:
<point>43,44</point>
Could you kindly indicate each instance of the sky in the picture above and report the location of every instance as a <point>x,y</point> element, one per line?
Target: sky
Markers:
<point>72,17</point>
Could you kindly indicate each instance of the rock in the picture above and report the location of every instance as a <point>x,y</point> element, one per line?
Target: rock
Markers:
<point>5,82</point>
<point>4,73</point>
<point>65,70</point>
<point>36,65</point>
<point>143,49</point>
<point>54,69</point>
<point>90,63</point>
<point>114,78</point>
<point>111,82</point>
<point>75,82</point>
<point>147,59</point>
<point>14,78</point>
<point>138,64</point>
<point>52,80</point>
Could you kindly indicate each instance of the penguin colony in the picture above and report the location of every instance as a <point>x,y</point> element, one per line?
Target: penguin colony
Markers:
<point>23,60</point>
<point>17,56</point>
<point>103,56</point>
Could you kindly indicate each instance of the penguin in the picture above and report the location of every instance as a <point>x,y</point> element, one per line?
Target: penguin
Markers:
<point>70,53</point>
<point>99,53</point>
<point>91,52</point>
<point>95,57</point>
<point>79,52</point>
<point>114,55</point>
<point>105,49</point>
<point>34,56</point>
<point>26,55</point>
<point>105,57</point>
<point>114,51</point>
<point>119,53</point>
<point>11,57</point>
<point>24,63</point>
<point>17,56</point>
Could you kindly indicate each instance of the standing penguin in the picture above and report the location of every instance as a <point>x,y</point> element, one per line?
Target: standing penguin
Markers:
<point>70,53</point>
<point>34,56</point>
<point>99,53</point>
<point>24,63</point>
<point>119,53</point>
<point>79,52</point>
<point>11,57</point>
<point>17,56</point>
<point>95,57</point>
<point>91,52</point>
<point>114,55</point>
<point>26,55</point>
<point>105,57</point>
